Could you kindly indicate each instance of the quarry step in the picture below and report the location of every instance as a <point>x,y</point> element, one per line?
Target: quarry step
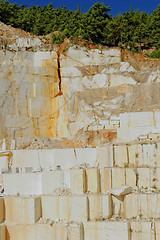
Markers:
<point>108,230</point>
<point>134,155</point>
<point>79,181</point>
<point>65,207</point>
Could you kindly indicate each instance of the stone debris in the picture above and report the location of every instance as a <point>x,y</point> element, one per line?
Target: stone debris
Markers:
<point>62,190</point>
<point>121,191</point>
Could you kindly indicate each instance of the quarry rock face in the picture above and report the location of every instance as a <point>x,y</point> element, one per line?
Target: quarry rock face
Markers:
<point>51,94</point>
<point>79,141</point>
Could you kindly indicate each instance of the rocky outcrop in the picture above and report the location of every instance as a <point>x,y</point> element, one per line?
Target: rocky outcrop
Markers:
<point>71,91</point>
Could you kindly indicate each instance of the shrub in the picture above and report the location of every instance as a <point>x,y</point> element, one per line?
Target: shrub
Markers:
<point>154,54</point>
<point>58,38</point>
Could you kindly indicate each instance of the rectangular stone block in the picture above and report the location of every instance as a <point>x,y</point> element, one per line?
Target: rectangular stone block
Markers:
<point>132,133</point>
<point>142,230</point>
<point>51,158</point>
<point>2,232</point>
<point>106,179</point>
<point>144,177</point>
<point>153,206</point>
<point>131,207</point>
<point>135,154</point>
<point>75,231</point>
<point>73,208</point>
<point>131,174</point>
<point>60,231</point>
<point>149,156</point>
<point>34,231</point>
<point>143,203</point>
<point>64,208</point>
<point>22,210</point>
<point>56,207</point>
<point>50,207</point>
<point>145,206</point>
<point>120,155</point>
<point>27,156</point>
<point>118,177</point>
<point>105,156</point>
<point>78,181</point>
<point>106,230</point>
<point>51,181</point>
<point>140,119</point>
<point>86,156</point>
<point>47,159</point>
<point>100,207</point>
<point>2,210</point>
<point>93,180</point>
<point>79,208</point>
<point>16,232</point>
<point>22,183</point>
<point>157,230</point>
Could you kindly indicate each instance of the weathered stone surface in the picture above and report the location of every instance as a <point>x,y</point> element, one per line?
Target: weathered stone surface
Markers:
<point>93,180</point>
<point>105,156</point>
<point>100,207</point>
<point>79,209</point>
<point>70,208</point>
<point>118,177</point>
<point>131,177</point>
<point>120,155</point>
<point>157,229</point>
<point>22,183</point>
<point>34,231</point>
<point>144,206</point>
<point>60,231</point>
<point>142,230</point>
<point>32,85</point>
<point>78,181</point>
<point>106,179</point>
<point>106,230</point>
<point>2,232</point>
<point>144,177</point>
<point>22,210</point>
<point>51,181</point>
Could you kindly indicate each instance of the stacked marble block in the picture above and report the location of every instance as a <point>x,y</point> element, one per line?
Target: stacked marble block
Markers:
<point>134,164</point>
<point>74,203</point>
<point>87,211</point>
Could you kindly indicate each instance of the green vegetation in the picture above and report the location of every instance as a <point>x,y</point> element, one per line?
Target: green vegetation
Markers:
<point>133,30</point>
<point>154,54</point>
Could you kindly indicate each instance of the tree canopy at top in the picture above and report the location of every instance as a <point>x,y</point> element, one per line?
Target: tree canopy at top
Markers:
<point>133,29</point>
